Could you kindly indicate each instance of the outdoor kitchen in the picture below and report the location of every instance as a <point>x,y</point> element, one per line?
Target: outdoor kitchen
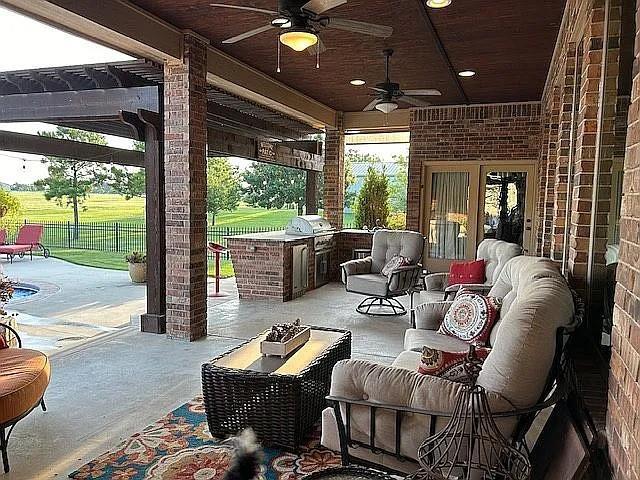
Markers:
<point>286,264</point>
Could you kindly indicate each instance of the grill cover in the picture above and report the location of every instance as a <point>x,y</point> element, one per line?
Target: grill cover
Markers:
<point>309,225</point>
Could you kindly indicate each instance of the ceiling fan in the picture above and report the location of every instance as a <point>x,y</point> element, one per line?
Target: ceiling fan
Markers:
<point>389,93</point>
<point>300,21</point>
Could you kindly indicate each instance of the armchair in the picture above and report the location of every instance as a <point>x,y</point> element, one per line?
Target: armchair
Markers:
<point>495,253</point>
<point>364,276</point>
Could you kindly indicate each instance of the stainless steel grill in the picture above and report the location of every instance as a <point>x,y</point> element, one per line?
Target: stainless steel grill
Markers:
<point>323,242</point>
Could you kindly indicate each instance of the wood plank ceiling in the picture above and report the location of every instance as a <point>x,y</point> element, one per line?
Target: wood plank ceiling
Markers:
<point>508,42</point>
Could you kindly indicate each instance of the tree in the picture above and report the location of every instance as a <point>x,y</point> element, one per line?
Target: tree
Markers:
<point>10,209</point>
<point>351,157</point>
<point>70,181</point>
<point>126,182</point>
<point>398,187</point>
<point>273,186</point>
<point>223,187</point>
<point>372,203</point>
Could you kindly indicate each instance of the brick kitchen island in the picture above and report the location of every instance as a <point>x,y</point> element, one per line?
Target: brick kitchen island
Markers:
<point>263,262</point>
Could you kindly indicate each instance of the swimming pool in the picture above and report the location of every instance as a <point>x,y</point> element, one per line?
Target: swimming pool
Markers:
<point>21,291</point>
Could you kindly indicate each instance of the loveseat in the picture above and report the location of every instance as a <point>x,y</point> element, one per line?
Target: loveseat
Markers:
<point>408,406</point>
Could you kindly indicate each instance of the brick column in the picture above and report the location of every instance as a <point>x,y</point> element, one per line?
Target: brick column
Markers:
<point>334,174</point>
<point>623,432</point>
<point>549,173</point>
<point>185,107</point>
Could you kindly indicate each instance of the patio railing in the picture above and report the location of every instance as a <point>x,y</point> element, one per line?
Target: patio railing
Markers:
<point>119,237</point>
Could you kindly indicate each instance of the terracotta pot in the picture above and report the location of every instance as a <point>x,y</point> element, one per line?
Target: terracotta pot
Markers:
<point>138,272</point>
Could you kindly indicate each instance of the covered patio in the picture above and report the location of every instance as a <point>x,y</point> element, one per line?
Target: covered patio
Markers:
<point>528,134</point>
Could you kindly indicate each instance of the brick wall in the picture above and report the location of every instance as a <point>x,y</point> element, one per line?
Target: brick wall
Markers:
<point>185,136</point>
<point>623,422</point>
<point>346,243</point>
<point>501,132</point>
<point>334,174</point>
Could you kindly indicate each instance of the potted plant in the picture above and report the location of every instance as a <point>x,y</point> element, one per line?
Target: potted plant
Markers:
<point>137,267</point>
<point>6,292</point>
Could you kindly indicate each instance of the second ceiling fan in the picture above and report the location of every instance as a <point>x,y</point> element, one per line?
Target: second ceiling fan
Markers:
<point>300,22</point>
<point>389,93</point>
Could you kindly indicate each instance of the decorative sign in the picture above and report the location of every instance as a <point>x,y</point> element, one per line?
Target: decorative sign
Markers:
<point>267,151</point>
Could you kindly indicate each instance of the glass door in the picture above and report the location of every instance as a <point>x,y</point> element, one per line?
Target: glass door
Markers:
<point>507,200</point>
<point>448,222</point>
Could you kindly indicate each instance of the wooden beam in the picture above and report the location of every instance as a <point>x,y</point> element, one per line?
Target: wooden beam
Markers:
<point>125,27</point>
<point>377,121</point>
<point>236,145</point>
<point>252,126</point>
<point>311,193</point>
<point>82,105</point>
<point>55,147</point>
<point>311,146</point>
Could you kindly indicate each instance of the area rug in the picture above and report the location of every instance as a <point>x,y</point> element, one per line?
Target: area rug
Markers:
<point>180,447</point>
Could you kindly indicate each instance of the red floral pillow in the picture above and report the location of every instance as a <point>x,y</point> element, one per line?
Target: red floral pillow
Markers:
<point>467,272</point>
<point>471,318</point>
<point>449,365</point>
<point>3,342</point>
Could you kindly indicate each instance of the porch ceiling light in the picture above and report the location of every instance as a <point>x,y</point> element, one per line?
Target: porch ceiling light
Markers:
<point>298,40</point>
<point>386,107</point>
<point>438,3</point>
<point>466,73</point>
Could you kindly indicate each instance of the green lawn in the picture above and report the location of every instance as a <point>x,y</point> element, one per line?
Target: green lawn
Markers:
<point>118,225</point>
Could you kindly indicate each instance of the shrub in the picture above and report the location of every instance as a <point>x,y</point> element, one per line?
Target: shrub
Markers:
<point>397,221</point>
<point>10,209</point>
<point>372,203</point>
<point>136,257</point>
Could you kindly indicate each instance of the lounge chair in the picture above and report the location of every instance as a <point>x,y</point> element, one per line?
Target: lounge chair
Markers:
<point>29,236</point>
<point>3,236</point>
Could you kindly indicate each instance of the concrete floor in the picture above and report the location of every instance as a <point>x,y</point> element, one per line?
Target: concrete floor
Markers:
<point>105,389</point>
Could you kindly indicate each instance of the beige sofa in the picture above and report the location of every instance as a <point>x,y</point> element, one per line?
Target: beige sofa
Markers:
<point>537,303</point>
<point>495,253</point>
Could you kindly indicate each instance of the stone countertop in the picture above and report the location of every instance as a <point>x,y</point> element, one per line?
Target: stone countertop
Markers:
<point>275,236</point>
<point>351,231</point>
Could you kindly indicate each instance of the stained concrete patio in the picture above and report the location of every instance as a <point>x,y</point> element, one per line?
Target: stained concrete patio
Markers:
<point>113,385</point>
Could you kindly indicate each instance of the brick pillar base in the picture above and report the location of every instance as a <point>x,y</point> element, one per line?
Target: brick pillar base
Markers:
<point>334,175</point>
<point>185,107</point>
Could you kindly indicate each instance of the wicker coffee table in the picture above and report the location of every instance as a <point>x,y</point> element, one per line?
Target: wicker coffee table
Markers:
<point>280,399</point>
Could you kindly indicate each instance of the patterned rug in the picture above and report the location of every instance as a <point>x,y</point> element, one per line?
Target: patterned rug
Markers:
<point>180,447</point>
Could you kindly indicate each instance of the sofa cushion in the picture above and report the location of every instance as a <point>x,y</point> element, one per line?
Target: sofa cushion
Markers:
<point>471,317</point>
<point>368,284</point>
<point>415,339</point>
<point>449,365</point>
<point>24,376</point>
<point>496,253</point>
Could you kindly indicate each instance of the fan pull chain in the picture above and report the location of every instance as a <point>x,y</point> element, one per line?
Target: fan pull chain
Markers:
<point>318,53</point>
<point>278,40</point>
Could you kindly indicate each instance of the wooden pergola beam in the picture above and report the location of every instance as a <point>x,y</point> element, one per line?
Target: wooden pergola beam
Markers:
<point>253,126</point>
<point>77,105</point>
<point>278,153</point>
<point>56,147</point>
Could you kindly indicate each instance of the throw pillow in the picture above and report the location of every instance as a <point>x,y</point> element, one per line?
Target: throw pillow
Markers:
<point>449,365</point>
<point>3,342</point>
<point>395,263</point>
<point>471,317</point>
<point>467,272</point>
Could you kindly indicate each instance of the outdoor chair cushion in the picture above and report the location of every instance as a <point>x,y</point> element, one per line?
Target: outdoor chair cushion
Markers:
<point>3,236</point>
<point>391,243</point>
<point>368,284</point>
<point>415,339</point>
<point>14,249</point>
<point>24,376</point>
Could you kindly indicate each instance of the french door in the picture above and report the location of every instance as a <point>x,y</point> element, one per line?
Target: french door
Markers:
<point>466,202</point>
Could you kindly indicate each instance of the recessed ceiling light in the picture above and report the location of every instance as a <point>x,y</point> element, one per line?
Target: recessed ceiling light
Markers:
<point>357,82</point>
<point>278,22</point>
<point>438,3</point>
<point>466,73</point>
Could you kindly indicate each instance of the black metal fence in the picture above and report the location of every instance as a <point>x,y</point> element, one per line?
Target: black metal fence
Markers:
<point>119,237</point>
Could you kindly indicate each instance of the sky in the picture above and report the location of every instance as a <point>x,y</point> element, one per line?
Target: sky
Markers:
<point>33,45</point>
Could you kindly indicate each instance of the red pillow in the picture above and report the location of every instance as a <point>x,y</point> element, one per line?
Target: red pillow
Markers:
<point>449,365</point>
<point>3,342</point>
<point>466,272</point>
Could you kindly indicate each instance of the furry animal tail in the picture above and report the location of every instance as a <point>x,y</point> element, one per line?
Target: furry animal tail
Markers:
<point>248,458</point>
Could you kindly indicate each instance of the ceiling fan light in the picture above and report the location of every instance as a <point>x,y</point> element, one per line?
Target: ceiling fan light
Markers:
<point>438,3</point>
<point>298,40</point>
<point>387,107</point>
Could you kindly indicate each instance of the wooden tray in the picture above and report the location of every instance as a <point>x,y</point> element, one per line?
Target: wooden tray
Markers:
<point>279,349</point>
